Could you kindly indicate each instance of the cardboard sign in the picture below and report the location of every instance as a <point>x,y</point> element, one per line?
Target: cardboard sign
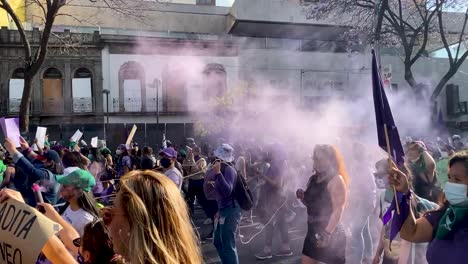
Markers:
<point>94,142</point>
<point>41,133</point>
<point>77,136</point>
<point>164,142</point>
<point>101,143</point>
<point>10,128</point>
<point>131,135</point>
<point>23,232</point>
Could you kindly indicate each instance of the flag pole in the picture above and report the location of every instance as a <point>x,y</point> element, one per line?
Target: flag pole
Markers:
<point>389,152</point>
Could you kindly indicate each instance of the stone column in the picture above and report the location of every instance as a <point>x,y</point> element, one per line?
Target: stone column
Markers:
<point>67,88</point>
<point>97,88</point>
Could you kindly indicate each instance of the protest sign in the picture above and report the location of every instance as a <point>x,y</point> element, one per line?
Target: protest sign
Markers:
<point>23,232</point>
<point>164,142</point>
<point>77,136</point>
<point>101,143</point>
<point>10,128</point>
<point>40,136</point>
<point>94,142</point>
<point>131,135</point>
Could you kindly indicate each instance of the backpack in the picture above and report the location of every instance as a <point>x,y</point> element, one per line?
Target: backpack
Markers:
<point>241,191</point>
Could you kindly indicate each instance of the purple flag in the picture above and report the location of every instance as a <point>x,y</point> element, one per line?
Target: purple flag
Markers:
<point>383,116</point>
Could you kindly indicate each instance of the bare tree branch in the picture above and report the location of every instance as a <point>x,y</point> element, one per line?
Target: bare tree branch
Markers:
<point>462,33</point>
<point>27,46</point>
<point>442,35</point>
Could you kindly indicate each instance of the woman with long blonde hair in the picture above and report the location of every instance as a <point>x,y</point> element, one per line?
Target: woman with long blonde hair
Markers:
<point>149,223</point>
<point>325,199</point>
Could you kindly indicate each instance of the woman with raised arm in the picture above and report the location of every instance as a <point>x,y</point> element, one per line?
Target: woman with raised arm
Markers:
<point>447,228</point>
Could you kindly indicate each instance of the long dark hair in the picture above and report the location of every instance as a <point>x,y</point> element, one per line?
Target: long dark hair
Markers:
<point>85,202</point>
<point>97,156</point>
<point>72,159</point>
<point>97,242</point>
<point>55,167</point>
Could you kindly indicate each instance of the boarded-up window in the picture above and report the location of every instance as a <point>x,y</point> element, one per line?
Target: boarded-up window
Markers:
<point>16,87</point>
<point>52,91</point>
<point>132,95</point>
<point>132,87</point>
<point>214,80</point>
<point>82,91</point>
<point>174,85</point>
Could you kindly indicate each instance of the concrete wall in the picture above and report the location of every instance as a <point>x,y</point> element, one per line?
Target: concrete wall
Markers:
<point>155,65</point>
<point>190,2</point>
<point>142,16</point>
<point>287,11</point>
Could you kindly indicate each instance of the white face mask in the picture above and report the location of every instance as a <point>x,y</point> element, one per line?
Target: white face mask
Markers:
<point>118,152</point>
<point>456,193</point>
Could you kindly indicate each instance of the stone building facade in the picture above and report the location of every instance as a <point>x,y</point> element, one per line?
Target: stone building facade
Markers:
<point>67,91</point>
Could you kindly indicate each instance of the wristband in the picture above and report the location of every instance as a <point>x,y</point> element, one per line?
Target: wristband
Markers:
<point>27,151</point>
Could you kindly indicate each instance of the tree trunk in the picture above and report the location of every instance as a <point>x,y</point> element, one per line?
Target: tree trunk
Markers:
<point>409,77</point>
<point>25,103</point>
<point>440,86</point>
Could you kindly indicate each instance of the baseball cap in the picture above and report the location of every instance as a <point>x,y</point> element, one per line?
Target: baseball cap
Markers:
<point>79,178</point>
<point>169,152</point>
<point>49,155</point>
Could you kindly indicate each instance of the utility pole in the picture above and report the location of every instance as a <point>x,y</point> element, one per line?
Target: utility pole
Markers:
<point>106,92</point>
<point>156,84</point>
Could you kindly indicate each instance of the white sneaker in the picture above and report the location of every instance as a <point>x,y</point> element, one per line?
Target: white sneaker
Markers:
<point>208,221</point>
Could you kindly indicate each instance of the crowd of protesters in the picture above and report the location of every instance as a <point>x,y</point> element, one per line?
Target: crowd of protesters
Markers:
<point>136,206</point>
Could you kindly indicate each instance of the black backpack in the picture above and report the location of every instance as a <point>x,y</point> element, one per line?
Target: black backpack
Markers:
<point>241,191</point>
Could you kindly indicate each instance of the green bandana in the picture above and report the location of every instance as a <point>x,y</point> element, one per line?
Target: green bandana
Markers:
<point>2,170</point>
<point>453,217</point>
<point>419,166</point>
<point>2,167</point>
<point>72,145</point>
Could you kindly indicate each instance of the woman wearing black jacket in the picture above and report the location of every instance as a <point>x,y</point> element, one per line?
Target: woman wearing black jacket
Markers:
<point>44,176</point>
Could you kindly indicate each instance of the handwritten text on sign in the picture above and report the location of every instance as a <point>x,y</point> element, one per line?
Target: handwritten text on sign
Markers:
<point>23,232</point>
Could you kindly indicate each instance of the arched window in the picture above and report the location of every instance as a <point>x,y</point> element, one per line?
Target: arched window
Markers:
<point>215,80</point>
<point>18,74</point>
<point>83,73</point>
<point>82,90</point>
<point>132,87</point>
<point>52,91</point>
<point>16,87</point>
<point>52,73</point>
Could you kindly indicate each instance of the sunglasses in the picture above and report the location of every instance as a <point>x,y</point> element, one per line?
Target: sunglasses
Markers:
<point>77,241</point>
<point>108,214</point>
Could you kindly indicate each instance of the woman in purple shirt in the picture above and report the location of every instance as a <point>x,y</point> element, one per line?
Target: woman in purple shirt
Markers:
<point>219,184</point>
<point>447,228</point>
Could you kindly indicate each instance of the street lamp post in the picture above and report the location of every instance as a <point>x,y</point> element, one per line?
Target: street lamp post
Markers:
<point>156,84</point>
<point>106,92</point>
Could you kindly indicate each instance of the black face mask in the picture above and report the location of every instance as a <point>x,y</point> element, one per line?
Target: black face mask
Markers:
<point>165,162</point>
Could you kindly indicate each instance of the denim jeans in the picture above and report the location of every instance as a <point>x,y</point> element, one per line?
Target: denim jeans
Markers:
<point>225,234</point>
<point>361,240</point>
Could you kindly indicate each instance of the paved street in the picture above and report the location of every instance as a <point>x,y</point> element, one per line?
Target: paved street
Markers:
<point>247,251</point>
